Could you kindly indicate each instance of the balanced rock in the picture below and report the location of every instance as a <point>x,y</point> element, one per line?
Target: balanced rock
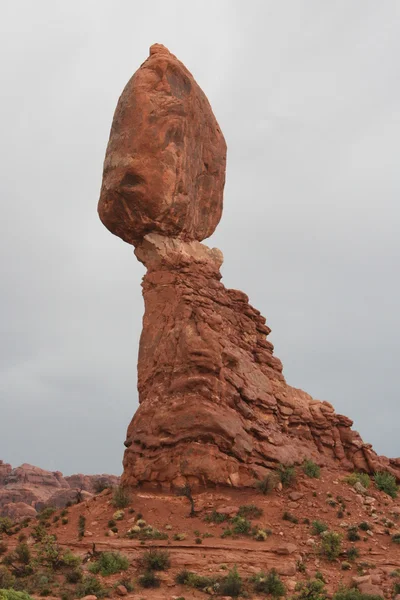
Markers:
<point>214,405</point>
<point>164,170</point>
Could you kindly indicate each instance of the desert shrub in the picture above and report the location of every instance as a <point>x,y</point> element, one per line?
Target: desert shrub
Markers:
<point>287,475</point>
<point>6,525</point>
<point>364,526</point>
<point>74,576</point>
<point>100,485</point>
<point>396,538</point>
<point>179,537</point>
<point>23,553</point>
<point>331,545</point>
<point>191,579</point>
<point>50,554</point>
<point>241,526</point>
<point>121,498</point>
<point>14,595</point>
<point>89,586</point>
<point>345,566</point>
<point>146,533</point>
<point>268,483</point>
<point>81,526</point>
<point>352,553</point>
<point>249,511</point>
<point>386,483</point>
<point>313,589</point>
<point>261,534</point>
<point>118,515</point>
<point>318,527</point>
<point>109,563</point>
<point>352,534</point>
<point>216,517</point>
<point>227,533</point>
<point>268,583</point>
<point>311,469</point>
<point>64,521</point>
<point>7,579</point>
<point>46,513</point>
<point>156,560</point>
<point>231,585</point>
<point>3,547</point>
<point>149,580</point>
<point>396,588</point>
<point>287,516</point>
<point>362,478</point>
<point>353,594</point>
<point>111,523</point>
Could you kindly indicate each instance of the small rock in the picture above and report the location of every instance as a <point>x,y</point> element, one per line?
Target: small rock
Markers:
<point>90,597</point>
<point>359,579</point>
<point>285,549</point>
<point>295,496</point>
<point>369,500</point>
<point>121,590</point>
<point>228,510</point>
<point>370,589</point>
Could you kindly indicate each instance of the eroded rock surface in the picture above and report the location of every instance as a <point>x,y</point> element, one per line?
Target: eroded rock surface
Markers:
<point>214,405</point>
<point>164,169</point>
<point>27,488</point>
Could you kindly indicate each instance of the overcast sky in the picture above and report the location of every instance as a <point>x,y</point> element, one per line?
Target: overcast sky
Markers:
<point>308,96</point>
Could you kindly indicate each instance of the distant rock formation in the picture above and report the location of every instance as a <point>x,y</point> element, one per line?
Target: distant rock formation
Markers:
<point>27,489</point>
<point>214,405</point>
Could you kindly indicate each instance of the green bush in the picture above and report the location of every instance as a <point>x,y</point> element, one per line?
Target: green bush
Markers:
<point>46,513</point>
<point>313,589</point>
<point>149,580</point>
<point>109,563</point>
<point>362,478</point>
<point>249,511</point>
<point>364,526</point>
<point>318,527</point>
<point>352,553</point>
<point>23,553</point>
<point>216,517</point>
<point>231,585</point>
<point>268,583</point>
<point>287,516</point>
<point>121,498</point>
<point>241,526</point>
<point>89,586</point>
<point>6,525</point>
<point>386,483</point>
<point>156,560</point>
<point>74,576</point>
<point>396,538</point>
<point>13,595</point>
<point>352,534</point>
<point>287,475</point>
<point>354,594</point>
<point>81,526</point>
<point>311,469</point>
<point>7,579</point>
<point>331,545</point>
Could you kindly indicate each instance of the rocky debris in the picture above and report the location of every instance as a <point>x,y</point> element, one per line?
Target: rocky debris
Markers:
<point>214,405</point>
<point>28,489</point>
<point>164,170</point>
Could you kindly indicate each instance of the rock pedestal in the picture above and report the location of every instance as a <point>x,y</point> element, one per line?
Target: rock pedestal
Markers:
<point>214,405</point>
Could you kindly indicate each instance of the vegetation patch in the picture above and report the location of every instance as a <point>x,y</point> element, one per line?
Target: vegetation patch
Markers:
<point>109,563</point>
<point>311,469</point>
<point>386,482</point>
<point>268,583</point>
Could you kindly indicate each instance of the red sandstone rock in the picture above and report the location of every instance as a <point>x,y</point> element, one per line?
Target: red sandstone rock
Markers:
<point>164,169</point>
<point>214,405</point>
<point>27,489</point>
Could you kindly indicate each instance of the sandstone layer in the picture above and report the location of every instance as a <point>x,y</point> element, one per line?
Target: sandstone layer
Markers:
<point>214,405</point>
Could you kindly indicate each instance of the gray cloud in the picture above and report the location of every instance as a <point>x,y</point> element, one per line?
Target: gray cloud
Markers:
<point>307,94</point>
